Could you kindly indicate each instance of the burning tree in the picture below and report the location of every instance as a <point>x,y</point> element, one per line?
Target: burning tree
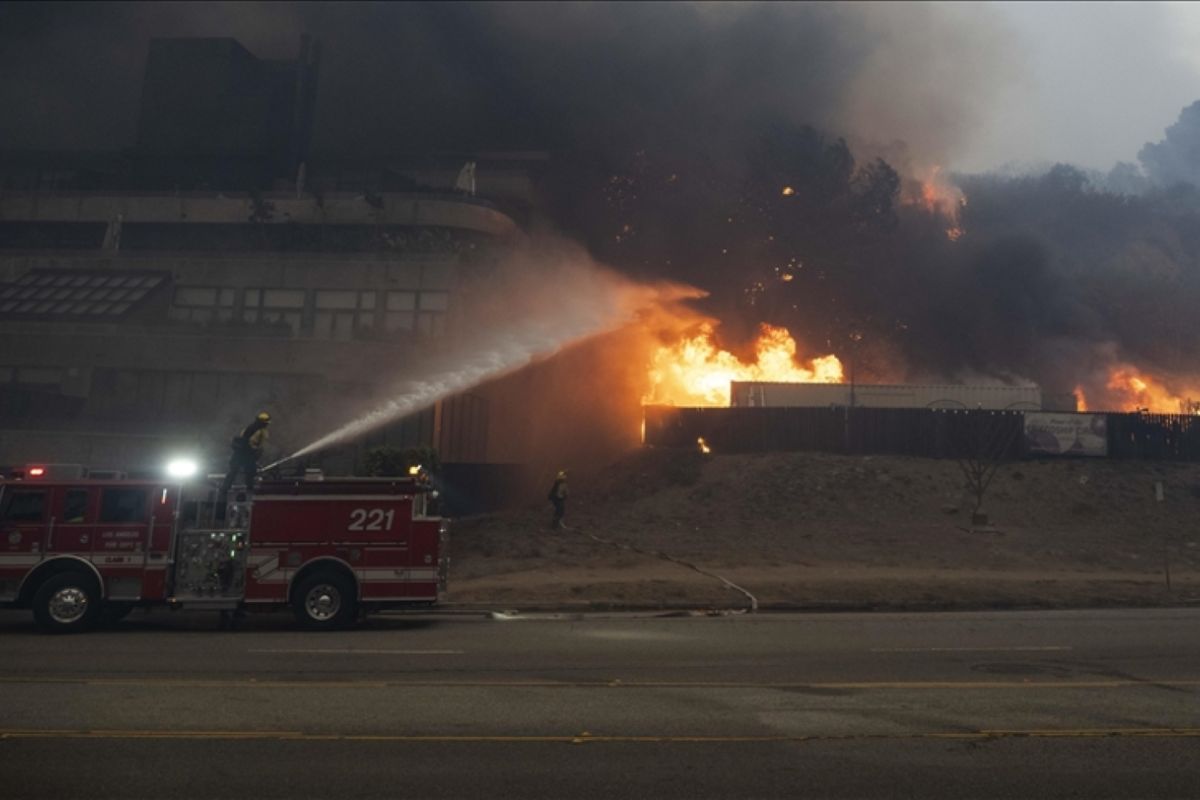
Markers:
<point>982,441</point>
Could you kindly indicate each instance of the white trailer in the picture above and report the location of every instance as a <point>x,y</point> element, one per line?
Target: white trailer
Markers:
<point>841,395</point>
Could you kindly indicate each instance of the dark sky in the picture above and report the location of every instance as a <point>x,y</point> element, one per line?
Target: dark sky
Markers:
<point>973,85</point>
<point>411,76</point>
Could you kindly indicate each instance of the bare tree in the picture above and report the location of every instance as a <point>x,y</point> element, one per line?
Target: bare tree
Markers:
<point>983,440</point>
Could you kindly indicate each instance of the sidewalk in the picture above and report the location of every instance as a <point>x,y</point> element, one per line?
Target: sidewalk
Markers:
<point>668,586</point>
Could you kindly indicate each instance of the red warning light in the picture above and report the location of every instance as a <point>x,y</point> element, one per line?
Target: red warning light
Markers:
<point>37,472</point>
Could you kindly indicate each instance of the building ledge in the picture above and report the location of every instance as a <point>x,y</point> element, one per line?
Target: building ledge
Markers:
<point>389,209</point>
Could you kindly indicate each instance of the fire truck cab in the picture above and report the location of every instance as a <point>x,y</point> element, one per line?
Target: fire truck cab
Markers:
<point>78,548</point>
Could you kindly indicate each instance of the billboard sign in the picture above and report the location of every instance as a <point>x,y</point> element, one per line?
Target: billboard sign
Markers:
<point>1048,433</point>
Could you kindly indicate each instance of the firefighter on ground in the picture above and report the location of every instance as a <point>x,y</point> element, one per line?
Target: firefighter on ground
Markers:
<point>247,449</point>
<point>558,497</point>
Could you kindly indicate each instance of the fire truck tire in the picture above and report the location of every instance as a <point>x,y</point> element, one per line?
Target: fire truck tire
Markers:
<point>325,601</point>
<point>68,602</point>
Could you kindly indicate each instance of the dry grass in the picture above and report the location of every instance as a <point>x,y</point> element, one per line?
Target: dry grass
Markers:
<point>818,529</point>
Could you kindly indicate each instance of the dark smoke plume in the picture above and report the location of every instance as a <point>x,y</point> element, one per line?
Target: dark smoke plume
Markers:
<point>596,77</point>
<point>770,154</point>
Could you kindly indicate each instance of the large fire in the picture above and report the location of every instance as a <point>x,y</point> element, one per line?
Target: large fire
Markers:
<point>695,372</point>
<point>1133,390</point>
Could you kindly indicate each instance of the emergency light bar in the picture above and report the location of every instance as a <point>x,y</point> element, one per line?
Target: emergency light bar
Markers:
<point>107,475</point>
<point>61,472</point>
<point>58,472</point>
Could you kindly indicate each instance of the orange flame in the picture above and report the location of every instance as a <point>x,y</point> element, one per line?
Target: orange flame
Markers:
<point>1134,390</point>
<point>694,372</point>
<point>1081,401</point>
<point>938,196</point>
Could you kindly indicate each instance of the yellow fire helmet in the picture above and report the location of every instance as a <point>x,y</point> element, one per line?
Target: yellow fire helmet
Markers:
<point>264,417</point>
<point>562,474</point>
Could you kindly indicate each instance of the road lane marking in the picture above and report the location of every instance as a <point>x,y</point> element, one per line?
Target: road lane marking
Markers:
<point>344,652</point>
<point>143,734</point>
<point>255,683</point>
<point>302,736</point>
<point>1047,649</point>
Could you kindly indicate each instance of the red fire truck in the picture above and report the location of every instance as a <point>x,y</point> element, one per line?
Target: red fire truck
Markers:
<point>78,548</point>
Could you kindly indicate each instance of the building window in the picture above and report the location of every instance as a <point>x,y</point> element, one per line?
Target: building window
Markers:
<point>422,312</point>
<point>202,304</point>
<point>340,313</point>
<point>431,317</point>
<point>88,295</point>
<point>401,312</point>
<point>274,307</point>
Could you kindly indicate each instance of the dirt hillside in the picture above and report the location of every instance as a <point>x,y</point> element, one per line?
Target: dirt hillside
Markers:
<point>818,530</point>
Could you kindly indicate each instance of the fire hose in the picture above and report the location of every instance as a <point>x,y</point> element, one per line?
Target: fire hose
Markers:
<point>660,554</point>
<point>275,464</point>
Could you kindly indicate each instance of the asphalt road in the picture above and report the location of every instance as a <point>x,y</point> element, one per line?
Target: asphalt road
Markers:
<point>1000,705</point>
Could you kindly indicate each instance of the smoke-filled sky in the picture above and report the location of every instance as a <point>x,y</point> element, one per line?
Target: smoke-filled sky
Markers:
<point>971,85</point>
<point>1097,81</point>
<point>677,126</point>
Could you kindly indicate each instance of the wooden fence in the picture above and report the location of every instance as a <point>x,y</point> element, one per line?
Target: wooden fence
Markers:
<point>930,433</point>
<point>1159,437</point>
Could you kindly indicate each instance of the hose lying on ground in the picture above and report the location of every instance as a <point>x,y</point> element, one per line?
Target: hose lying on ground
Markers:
<point>659,554</point>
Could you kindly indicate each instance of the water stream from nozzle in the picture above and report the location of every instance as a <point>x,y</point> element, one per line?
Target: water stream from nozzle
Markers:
<point>549,296</point>
<point>469,370</point>
<point>505,351</point>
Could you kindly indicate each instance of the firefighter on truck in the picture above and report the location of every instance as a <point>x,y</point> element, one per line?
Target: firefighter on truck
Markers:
<point>247,450</point>
<point>79,548</point>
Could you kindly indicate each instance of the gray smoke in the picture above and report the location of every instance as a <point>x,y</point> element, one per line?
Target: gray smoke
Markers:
<point>603,77</point>
<point>1175,159</point>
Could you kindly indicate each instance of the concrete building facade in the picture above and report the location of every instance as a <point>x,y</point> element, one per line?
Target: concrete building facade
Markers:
<point>114,354</point>
<point>143,314</point>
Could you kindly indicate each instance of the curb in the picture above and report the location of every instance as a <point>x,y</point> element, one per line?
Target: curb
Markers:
<point>694,610</point>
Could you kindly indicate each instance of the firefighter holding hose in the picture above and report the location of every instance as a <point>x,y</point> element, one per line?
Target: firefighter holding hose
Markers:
<point>247,449</point>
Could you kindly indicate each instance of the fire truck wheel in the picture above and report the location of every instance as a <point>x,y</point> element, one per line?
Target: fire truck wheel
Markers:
<point>325,601</point>
<point>67,603</point>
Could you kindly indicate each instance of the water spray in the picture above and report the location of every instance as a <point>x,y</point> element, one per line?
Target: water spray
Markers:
<point>283,460</point>
<point>587,311</point>
<point>513,352</point>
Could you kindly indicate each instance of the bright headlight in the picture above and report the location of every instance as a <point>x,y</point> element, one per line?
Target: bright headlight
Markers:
<point>182,468</point>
